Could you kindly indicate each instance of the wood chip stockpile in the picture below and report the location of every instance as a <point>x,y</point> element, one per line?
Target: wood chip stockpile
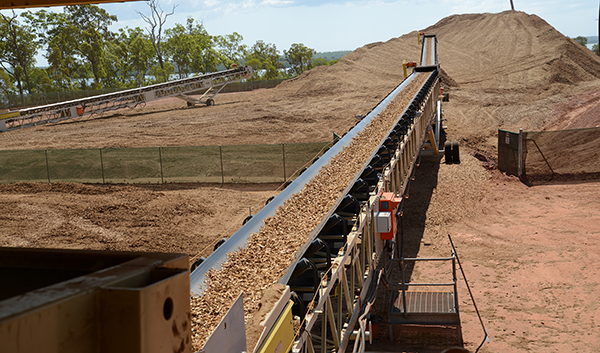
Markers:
<point>270,252</point>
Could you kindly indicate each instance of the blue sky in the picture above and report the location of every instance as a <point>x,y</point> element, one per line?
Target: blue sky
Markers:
<point>346,25</point>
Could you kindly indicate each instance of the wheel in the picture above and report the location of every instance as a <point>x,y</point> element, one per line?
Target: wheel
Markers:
<point>448,152</point>
<point>247,219</point>
<point>455,153</point>
<point>210,102</point>
<point>190,104</point>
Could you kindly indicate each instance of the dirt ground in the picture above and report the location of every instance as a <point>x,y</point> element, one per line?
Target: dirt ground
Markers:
<point>178,218</point>
<point>531,254</point>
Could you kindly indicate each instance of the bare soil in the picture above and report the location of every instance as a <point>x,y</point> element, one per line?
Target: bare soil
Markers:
<point>531,254</point>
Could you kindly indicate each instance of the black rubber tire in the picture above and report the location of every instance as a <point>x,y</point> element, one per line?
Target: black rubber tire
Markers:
<point>210,102</point>
<point>455,153</point>
<point>448,152</point>
<point>247,219</point>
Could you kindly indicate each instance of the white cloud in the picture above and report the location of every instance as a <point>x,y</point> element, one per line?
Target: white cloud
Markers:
<point>276,2</point>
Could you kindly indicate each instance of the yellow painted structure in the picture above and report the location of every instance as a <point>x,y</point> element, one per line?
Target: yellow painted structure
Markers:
<point>281,337</point>
<point>9,115</point>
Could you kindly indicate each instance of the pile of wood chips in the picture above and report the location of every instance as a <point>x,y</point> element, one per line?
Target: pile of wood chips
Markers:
<point>269,252</point>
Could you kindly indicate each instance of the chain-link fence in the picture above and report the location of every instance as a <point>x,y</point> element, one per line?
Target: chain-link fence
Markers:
<point>551,154</point>
<point>201,164</point>
<point>15,101</point>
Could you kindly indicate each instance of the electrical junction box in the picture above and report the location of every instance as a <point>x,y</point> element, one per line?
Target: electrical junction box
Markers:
<point>383,222</point>
<point>386,217</point>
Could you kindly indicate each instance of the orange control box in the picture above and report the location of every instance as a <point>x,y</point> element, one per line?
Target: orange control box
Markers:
<point>386,218</point>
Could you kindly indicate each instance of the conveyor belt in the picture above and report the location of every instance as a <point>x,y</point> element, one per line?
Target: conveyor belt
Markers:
<point>239,238</point>
<point>411,126</point>
<point>130,98</point>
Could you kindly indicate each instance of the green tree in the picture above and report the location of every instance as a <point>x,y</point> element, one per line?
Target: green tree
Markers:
<point>255,63</point>
<point>596,49</point>
<point>231,49</point>
<point>205,56</point>
<point>581,40</point>
<point>58,36</point>
<point>76,44</point>
<point>133,48</point>
<point>191,49</point>
<point>92,33</point>
<point>300,57</point>
<point>268,56</point>
<point>319,62</point>
<point>161,74</point>
<point>41,80</point>
<point>6,85</point>
<point>178,48</point>
<point>18,47</point>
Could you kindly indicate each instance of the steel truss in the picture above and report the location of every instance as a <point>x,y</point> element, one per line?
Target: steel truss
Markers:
<point>354,270</point>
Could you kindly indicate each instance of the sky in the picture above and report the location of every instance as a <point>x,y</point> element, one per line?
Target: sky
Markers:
<point>333,25</point>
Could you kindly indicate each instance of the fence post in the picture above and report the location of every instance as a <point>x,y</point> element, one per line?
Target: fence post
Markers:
<point>283,153</point>
<point>222,173</point>
<point>520,167</point>
<point>102,166</point>
<point>47,166</point>
<point>162,179</point>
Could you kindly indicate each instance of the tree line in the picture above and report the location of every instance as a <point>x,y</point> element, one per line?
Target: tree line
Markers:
<point>584,41</point>
<point>83,53</point>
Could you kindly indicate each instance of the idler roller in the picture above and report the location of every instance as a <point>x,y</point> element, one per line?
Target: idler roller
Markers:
<point>349,207</point>
<point>305,277</point>
<point>370,175</point>
<point>220,242</point>
<point>334,225</point>
<point>402,125</point>
<point>298,308</point>
<point>335,232</point>
<point>377,163</point>
<point>360,190</point>
<point>391,143</point>
<point>301,267</point>
<point>322,259</point>
<point>197,263</point>
<point>385,154</point>
<point>315,246</point>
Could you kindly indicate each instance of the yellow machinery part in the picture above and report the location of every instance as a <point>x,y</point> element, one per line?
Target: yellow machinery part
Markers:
<point>281,337</point>
<point>9,115</point>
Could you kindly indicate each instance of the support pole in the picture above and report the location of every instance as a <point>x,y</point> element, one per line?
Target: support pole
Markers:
<point>222,173</point>
<point>283,154</point>
<point>102,167</point>
<point>520,170</point>
<point>47,167</point>
<point>162,179</point>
